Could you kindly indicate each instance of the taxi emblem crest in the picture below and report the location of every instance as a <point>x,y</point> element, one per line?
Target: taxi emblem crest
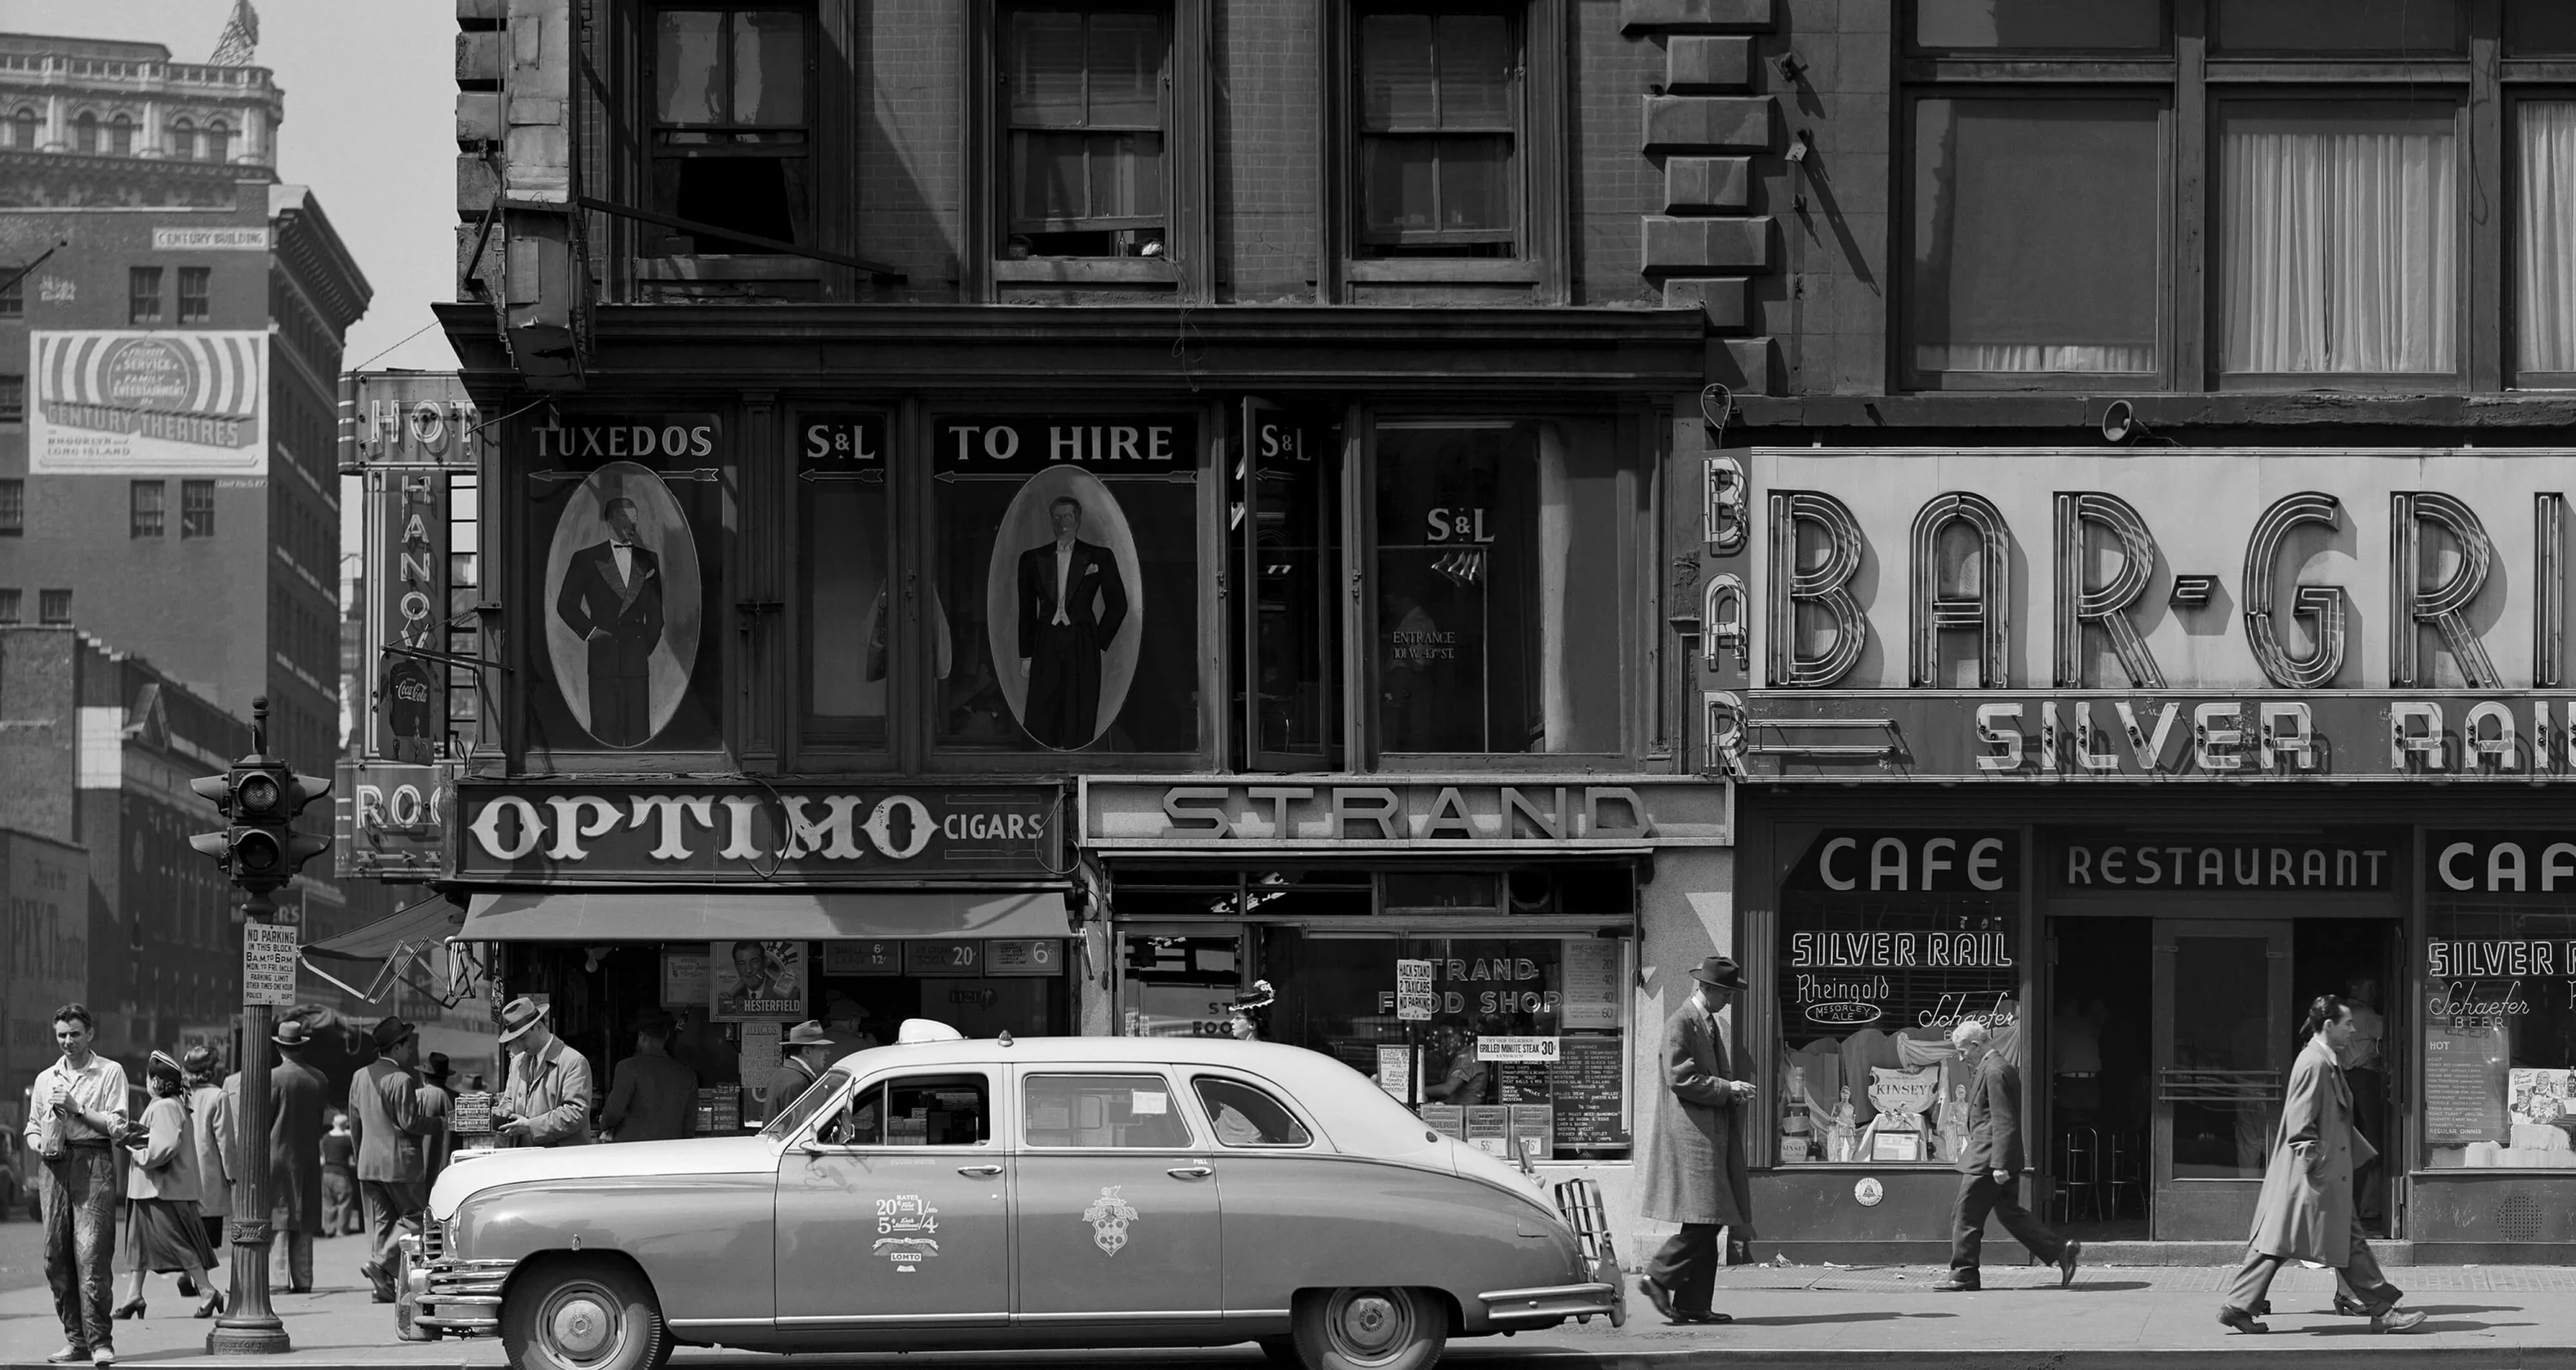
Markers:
<point>1109,1216</point>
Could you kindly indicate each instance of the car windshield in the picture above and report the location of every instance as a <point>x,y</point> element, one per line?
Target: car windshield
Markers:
<point>809,1103</point>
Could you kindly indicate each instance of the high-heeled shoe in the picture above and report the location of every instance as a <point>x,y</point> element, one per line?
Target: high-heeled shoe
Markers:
<point>214,1304</point>
<point>131,1308</point>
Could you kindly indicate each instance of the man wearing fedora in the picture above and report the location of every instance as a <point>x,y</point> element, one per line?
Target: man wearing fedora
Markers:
<point>435,1102</point>
<point>384,1112</point>
<point>653,1098</point>
<point>1695,1171</point>
<point>804,1054</point>
<point>546,1100</point>
<point>294,1149</point>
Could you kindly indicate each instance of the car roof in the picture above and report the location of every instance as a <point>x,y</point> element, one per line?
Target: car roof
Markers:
<point>1359,1117</point>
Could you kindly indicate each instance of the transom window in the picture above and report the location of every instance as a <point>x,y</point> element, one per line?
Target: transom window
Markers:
<point>732,127</point>
<point>1439,132</point>
<point>1084,113</point>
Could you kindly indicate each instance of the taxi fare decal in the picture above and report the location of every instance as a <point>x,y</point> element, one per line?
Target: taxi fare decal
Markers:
<point>904,1225</point>
<point>1109,1216</point>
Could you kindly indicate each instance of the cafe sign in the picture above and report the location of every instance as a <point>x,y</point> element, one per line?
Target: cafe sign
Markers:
<point>1336,813</point>
<point>779,834</point>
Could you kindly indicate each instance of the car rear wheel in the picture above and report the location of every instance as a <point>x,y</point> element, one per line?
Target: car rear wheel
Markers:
<point>1371,1329</point>
<point>583,1313</point>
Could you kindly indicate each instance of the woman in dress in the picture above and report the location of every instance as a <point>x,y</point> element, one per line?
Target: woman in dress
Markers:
<point>162,1228</point>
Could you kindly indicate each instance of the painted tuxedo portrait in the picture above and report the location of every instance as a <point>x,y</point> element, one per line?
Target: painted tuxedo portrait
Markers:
<point>622,605</point>
<point>612,599</point>
<point>1072,598</point>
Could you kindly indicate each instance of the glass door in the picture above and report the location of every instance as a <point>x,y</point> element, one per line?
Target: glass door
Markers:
<point>2221,1057</point>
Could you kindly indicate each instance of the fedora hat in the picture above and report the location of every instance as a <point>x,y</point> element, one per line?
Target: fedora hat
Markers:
<point>521,1014</point>
<point>292,1034</point>
<point>1719,972</point>
<point>200,1059</point>
<point>806,1034</point>
<point>437,1069</point>
<point>390,1032</point>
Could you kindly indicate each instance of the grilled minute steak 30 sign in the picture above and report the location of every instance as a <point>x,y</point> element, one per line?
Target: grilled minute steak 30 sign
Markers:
<point>2280,613</point>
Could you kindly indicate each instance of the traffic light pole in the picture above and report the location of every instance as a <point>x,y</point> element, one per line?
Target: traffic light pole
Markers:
<point>249,1327</point>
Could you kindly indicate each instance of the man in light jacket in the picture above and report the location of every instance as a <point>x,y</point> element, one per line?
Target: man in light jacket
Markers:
<point>1695,1169</point>
<point>1990,1168</point>
<point>546,1101</point>
<point>2306,1211</point>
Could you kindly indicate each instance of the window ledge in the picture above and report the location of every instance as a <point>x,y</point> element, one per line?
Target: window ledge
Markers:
<point>1443,271</point>
<point>1085,271</point>
<point>725,267</point>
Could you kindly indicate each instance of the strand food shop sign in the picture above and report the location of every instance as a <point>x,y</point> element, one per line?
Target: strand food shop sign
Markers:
<point>2027,614</point>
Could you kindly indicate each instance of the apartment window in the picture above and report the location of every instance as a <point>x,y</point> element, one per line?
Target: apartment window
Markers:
<point>196,295</point>
<point>1084,114</point>
<point>2544,242</point>
<point>13,399</point>
<point>2338,238</point>
<point>1439,133</point>
<point>219,141</point>
<point>732,127</point>
<point>53,606</point>
<point>143,294</point>
<point>2018,203</point>
<point>2409,27</point>
<point>196,509</point>
<point>120,135</point>
<point>11,602</point>
<point>13,291</point>
<point>183,140</point>
<point>22,129</point>
<point>13,507</point>
<point>85,132</point>
<point>147,506</point>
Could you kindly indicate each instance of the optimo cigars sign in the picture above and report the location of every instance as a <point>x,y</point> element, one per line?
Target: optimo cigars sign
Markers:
<point>773,834</point>
<point>1325,813</point>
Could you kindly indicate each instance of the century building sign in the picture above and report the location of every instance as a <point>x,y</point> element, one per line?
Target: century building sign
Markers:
<point>771,834</point>
<point>1346,813</point>
<point>2296,614</point>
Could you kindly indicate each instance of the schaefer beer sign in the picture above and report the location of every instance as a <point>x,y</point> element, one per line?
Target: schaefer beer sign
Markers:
<point>2042,614</point>
<point>779,834</point>
<point>144,404</point>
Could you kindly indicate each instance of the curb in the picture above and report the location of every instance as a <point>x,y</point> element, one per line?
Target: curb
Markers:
<point>2394,1351</point>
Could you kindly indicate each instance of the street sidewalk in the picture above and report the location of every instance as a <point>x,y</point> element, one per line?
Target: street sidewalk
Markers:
<point>2499,1317</point>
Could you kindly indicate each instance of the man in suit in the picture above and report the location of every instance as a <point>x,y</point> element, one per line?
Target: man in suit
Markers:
<point>385,1113</point>
<point>1990,1167</point>
<point>294,1150</point>
<point>1695,1171</point>
<point>2306,1209</point>
<point>612,599</point>
<point>1071,603</point>
<point>654,1098</point>
<point>546,1099</point>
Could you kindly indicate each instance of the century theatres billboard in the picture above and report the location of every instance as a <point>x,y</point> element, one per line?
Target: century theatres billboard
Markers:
<point>192,403</point>
<point>2023,614</point>
<point>787,833</point>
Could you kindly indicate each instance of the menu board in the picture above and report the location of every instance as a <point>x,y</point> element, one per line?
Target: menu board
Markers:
<point>684,980</point>
<point>1024,956</point>
<point>943,956</point>
<point>1489,1128</point>
<point>1449,1120</point>
<point>2462,1102</point>
<point>1590,1092</point>
<point>863,958</point>
<point>1592,984</point>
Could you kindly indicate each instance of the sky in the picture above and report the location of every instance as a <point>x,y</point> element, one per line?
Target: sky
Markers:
<point>370,126</point>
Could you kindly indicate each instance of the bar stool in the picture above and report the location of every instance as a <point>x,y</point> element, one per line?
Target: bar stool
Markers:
<point>2079,1173</point>
<point>2125,1177</point>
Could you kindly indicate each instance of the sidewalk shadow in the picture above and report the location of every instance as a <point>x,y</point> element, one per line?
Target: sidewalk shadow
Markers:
<point>1813,1318</point>
<point>2100,1286</point>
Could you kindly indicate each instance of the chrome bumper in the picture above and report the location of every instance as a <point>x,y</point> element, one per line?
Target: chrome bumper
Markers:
<point>1519,1308</point>
<point>442,1296</point>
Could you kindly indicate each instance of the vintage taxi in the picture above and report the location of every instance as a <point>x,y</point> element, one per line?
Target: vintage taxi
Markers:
<point>999,1194</point>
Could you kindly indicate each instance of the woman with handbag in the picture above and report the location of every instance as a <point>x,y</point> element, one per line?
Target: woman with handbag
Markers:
<point>162,1229</point>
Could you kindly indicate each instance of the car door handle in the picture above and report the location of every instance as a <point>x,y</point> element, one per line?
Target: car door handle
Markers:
<point>1189,1172</point>
<point>979,1170</point>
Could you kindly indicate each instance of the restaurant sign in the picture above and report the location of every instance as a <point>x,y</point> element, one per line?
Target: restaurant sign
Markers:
<point>783,834</point>
<point>1339,813</point>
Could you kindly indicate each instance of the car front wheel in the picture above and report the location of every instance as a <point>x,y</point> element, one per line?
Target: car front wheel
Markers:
<point>583,1313</point>
<point>1371,1329</point>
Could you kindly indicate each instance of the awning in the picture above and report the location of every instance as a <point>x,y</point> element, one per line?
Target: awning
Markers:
<point>727,915</point>
<point>426,923</point>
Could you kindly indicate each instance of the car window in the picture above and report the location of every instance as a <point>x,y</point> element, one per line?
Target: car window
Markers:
<point>816,1095</point>
<point>1248,1116</point>
<point>913,1110</point>
<point>1101,1111</point>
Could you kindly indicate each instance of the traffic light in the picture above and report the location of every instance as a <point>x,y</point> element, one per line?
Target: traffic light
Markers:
<point>261,796</point>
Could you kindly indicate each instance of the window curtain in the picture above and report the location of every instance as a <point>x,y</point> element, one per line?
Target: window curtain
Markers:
<point>2341,244</point>
<point>2545,237</point>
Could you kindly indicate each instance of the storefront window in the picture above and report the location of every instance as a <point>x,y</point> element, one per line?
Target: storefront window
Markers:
<point>848,607</point>
<point>1067,583</point>
<point>1498,543</point>
<point>2500,1001</point>
<point>1887,941</point>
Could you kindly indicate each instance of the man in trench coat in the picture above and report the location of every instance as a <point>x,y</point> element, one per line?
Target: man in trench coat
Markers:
<point>1695,1168</point>
<point>2306,1212</point>
<point>295,1152</point>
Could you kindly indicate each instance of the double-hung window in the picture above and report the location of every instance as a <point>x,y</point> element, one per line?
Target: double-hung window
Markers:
<point>1085,106</point>
<point>731,129</point>
<point>1439,160</point>
<point>196,294</point>
<point>196,509</point>
<point>143,294</point>
<point>149,501</point>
